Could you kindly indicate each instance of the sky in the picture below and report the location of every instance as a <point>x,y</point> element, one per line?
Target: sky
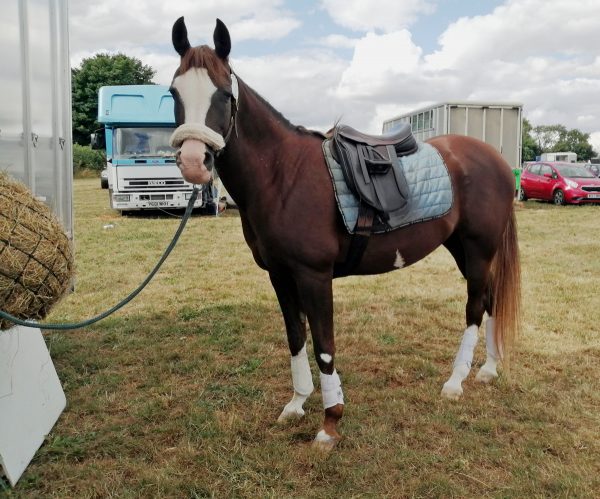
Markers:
<point>364,61</point>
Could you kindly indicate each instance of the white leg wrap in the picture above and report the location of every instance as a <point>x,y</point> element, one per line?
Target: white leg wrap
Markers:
<point>462,364</point>
<point>331,389</point>
<point>488,371</point>
<point>301,376</point>
<point>303,386</point>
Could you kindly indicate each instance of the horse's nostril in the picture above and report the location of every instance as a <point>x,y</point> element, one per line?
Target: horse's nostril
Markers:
<point>209,159</point>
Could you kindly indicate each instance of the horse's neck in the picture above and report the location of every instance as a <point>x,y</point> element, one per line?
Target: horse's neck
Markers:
<point>252,162</point>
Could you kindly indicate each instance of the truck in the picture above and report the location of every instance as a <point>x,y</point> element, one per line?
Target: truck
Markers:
<point>141,169</point>
<point>496,123</point>
<point>36,149</point>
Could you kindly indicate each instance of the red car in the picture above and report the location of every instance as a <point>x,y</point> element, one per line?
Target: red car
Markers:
<point>560,183</point>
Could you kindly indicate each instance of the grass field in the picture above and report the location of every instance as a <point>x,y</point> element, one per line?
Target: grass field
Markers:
<point>177,395</point>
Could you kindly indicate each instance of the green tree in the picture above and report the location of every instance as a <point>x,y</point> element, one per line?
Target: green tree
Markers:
<point>547,136</point>
<point>94,72</point>
<point>530,146</point>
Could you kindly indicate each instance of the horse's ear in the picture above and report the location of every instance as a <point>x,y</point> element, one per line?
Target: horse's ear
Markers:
<point>180,37</point>
<point>222,40</point>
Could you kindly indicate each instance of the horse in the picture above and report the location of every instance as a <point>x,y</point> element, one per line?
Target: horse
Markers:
<point>277,175</point>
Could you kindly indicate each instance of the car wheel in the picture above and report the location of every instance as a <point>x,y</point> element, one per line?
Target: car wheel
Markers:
<point>558,197</point>
<point>522,196</point>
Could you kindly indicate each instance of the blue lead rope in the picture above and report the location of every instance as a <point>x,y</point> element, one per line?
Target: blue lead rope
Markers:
<point>126,300</point>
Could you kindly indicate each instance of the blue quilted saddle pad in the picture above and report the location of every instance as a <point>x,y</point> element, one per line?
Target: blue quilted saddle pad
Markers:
<point>429,183</point>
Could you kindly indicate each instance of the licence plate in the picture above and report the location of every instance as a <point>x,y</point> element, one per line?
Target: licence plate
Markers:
<point>593,196</point>
<point>158,203</point>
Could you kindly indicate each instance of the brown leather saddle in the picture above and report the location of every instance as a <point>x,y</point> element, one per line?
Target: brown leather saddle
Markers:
<point>371,169</point>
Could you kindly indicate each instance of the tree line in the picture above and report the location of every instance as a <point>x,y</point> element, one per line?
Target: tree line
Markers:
<point>555,138</point>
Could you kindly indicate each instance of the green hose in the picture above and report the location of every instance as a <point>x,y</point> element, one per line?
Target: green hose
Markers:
<point>126,300</point>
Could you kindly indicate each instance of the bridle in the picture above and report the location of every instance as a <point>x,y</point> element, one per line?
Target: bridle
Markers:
<point>233,99</point>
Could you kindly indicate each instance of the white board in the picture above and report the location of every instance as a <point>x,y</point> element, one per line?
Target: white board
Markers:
<point>31,398</point>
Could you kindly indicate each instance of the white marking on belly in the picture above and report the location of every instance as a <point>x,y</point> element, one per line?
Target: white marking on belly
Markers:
<point>325,357</point>
<point>399,262</point>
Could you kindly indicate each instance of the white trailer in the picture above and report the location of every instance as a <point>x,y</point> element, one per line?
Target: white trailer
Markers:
<point>36,148</point>
<point>498,124</point>
<point>567,157</point>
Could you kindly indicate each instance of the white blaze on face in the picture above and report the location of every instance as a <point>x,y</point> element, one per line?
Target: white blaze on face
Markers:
<point>196,90</point>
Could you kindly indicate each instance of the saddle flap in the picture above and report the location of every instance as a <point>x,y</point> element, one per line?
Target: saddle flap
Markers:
<point>373,173</point>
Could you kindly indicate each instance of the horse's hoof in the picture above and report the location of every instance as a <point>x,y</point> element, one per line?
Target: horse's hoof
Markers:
<point>485,376</point>
<point>324,442</point>
<point>452,392</point>
<point>290,415</point>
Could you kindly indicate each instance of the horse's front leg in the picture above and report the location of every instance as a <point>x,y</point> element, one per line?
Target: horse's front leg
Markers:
<point>295,325</point>
<point>317,298</point>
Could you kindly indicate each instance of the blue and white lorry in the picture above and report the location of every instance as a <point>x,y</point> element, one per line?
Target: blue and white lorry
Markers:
<point>142,174</point>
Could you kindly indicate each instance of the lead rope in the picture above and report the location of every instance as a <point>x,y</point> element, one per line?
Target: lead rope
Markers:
<point>127,299</point>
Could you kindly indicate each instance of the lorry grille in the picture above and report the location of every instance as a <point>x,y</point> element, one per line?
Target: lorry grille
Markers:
<point>155,184</point>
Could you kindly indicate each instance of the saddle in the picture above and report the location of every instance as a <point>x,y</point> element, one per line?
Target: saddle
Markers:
<point>372,172</point>
<point>370,166</point>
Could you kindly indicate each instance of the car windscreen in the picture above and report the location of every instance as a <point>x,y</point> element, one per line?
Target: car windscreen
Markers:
<point>142,143</point>
<point>573,171</point>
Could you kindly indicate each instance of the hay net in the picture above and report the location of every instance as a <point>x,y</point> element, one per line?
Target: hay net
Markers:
<point>36,257</point>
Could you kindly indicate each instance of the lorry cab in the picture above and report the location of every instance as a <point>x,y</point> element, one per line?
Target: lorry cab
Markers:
<point>142,172</point>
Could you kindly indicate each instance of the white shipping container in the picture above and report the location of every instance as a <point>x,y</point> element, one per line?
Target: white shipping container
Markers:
<point>498,124</point>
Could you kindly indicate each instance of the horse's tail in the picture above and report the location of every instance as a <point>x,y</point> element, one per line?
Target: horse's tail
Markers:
<point>506,290</point>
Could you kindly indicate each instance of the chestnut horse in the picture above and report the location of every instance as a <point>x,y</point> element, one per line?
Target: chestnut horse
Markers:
<point>277,175</point>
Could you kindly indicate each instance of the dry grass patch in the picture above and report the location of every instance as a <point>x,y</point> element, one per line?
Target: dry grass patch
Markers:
<point>177,395</point>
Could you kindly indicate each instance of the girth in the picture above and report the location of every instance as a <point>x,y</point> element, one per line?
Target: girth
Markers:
<point>371,169</point>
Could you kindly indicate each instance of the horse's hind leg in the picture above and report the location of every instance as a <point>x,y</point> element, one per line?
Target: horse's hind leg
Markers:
<point>295,325</point>
<point>475,263</point>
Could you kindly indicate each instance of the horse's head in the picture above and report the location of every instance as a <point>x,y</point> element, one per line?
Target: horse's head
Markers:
<point>205,94</point>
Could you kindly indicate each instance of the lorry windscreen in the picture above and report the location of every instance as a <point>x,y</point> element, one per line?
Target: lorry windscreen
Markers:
<point>142,143</point>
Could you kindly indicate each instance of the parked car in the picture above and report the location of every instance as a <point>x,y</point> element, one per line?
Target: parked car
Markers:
<point>104,179</point>
<point>561,183</point>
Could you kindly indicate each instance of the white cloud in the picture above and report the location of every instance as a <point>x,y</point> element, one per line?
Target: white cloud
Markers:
<point>116,25</point>
<point>377,60</point>
<point>338,42</point>
<point>386,15</point>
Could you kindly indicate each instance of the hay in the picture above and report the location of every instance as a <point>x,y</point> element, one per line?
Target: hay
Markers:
<point>36,260</point>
